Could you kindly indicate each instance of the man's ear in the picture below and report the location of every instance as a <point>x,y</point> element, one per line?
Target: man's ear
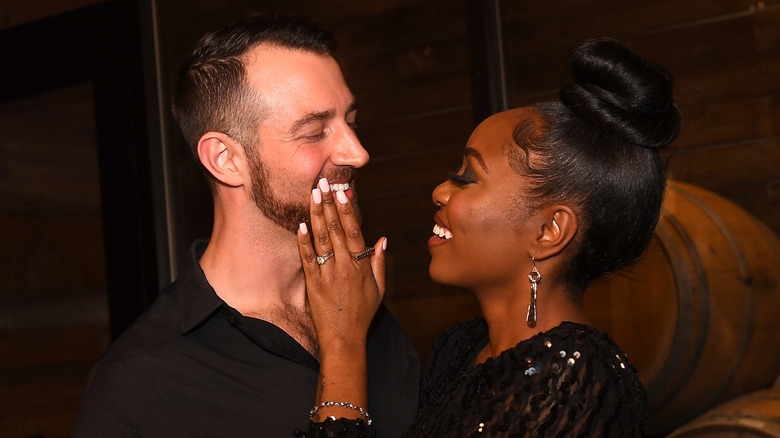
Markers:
<point>223,157</point>
<point>557,230</point>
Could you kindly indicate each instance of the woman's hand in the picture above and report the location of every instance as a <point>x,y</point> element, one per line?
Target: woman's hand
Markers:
<point>344,292</point>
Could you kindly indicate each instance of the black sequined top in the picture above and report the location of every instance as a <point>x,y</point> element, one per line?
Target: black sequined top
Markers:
<point>571,381</point>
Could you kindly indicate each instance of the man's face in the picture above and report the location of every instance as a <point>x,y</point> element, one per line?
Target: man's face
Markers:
<point>307,135</point>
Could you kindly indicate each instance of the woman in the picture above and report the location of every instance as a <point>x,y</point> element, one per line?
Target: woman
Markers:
<point>549,198</point>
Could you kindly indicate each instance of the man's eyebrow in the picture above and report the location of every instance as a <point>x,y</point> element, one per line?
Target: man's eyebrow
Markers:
<point>471,152</point>
<point>318,115</point>
<point>311,117</point>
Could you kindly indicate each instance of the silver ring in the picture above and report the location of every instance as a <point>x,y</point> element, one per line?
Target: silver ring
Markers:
<point>321,259</point>
<point>363,254</point>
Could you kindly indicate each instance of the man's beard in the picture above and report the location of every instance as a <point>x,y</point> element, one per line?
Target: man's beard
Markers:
<point>285,214</point>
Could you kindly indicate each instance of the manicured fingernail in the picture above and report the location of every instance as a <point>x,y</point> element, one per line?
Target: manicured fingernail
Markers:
<point>384,244</point>
<point>341,197</point>
<point>317,196</point>
<point>323,185</point>
<point>303,229</point>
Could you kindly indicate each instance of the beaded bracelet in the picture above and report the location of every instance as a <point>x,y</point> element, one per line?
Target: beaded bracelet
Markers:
<point>349,405</point>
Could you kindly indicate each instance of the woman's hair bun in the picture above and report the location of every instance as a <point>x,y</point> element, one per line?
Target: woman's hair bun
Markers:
<point>623,94</point>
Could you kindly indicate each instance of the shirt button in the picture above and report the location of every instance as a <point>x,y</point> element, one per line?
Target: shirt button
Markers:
<point>232,319</point>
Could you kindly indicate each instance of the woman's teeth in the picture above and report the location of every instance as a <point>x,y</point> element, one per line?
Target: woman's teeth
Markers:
<point>442,232</point>
<point>339,187</point>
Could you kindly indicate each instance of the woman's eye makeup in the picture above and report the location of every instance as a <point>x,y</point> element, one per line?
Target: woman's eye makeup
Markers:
<point>463,178</point>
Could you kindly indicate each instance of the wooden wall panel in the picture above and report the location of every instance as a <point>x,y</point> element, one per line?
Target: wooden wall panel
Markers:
<point>395,25</point>
<point>53,299</point>
<point>539,27</point>
<point>410,81</point>
<point>40,401</point>
<point>389,139</point>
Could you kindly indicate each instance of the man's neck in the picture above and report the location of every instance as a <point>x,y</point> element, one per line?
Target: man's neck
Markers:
<point>259,274</point>
<point>255,271</point>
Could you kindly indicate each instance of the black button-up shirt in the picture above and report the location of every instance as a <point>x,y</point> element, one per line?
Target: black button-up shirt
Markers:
<point>192,366</point>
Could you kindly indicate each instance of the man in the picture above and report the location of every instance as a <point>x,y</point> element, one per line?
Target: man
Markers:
<point>228,349</point>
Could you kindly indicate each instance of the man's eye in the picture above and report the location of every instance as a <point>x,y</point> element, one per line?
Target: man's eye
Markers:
<point>316,137</point>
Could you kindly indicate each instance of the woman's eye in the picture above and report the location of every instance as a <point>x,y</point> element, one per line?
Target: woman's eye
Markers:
<point>467,177</point>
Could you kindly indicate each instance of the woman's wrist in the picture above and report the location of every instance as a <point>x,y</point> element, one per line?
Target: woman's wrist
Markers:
<point>346,346</point>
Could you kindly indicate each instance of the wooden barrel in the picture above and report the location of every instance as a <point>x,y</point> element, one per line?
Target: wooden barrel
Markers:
<point>753,415</point>
<point>699,316</point>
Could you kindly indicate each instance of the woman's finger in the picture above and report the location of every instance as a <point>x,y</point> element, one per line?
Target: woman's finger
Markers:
<point>335,229</point>
<point>378,265</point>
<point>353,235</point>
<point>319,223</point>
<point>308,255</point>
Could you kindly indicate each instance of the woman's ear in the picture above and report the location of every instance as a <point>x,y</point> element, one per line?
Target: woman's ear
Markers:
<point>222,157</point>
<point>557,231</point>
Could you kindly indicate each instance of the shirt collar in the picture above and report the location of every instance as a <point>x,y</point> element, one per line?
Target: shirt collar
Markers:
<point>197,299</point>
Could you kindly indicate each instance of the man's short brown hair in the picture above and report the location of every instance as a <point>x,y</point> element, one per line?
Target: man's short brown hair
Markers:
<point>212,93</point>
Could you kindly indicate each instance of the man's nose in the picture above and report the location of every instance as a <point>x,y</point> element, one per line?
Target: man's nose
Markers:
<point>348,151</point>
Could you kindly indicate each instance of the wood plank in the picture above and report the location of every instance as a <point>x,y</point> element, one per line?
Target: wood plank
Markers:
<point>398,210</point>
<point>41,346</point>
<point>744,172</point>
<point>53,309</point>
<point>41,401</point>
<point>44,166</point>
<point>727,59</point>
<point>387,139</point>
<point>425,170</point>
<point>419,79</point>
<point>50,254</point>
<point>541,27</point>
<point>730,121</point>
<point>729,163</point>
<point>390,27</point>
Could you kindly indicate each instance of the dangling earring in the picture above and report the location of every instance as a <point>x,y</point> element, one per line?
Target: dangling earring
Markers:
<point>535,277</point>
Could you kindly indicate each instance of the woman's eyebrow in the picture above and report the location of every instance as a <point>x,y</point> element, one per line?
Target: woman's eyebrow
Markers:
<point>471,152</point>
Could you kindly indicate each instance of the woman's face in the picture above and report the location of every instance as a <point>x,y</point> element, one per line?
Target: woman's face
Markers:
<point>483,232</point>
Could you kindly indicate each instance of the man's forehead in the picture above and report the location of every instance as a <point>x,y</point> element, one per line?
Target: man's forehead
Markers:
<point>296,84</point>
<point>267,59</point>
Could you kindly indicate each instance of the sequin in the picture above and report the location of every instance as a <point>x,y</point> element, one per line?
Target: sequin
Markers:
<point>562,353</point>
<point>622,365</point>
<point>555,367</point>
<point>481,427</point>
<point>501,391</point>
